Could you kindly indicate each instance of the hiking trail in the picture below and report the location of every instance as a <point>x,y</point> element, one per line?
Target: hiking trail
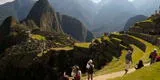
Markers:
<point>114,75</point>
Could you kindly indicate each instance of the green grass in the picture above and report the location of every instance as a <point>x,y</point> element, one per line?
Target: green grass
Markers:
<point>148,20</point>
<point>146,73</point>
<point>115,65</point>
<point>83,45</point>
<point>104,37</point>
<point>149,49</point>
<point>118,65</point>
<point>38,37</point>
<point>67,48</point>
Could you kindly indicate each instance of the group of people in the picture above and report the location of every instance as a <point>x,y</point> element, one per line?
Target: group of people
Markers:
<point>76,73</point>
<point>153,56</point>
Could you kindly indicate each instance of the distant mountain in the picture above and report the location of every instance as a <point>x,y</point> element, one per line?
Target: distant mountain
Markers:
<point>149,26</point>
<point>75,28</point>
<point>43,15</point>
<point>18,8</point>
<point>84,10</point>
<point>113,15</point>
<point>133,20</point>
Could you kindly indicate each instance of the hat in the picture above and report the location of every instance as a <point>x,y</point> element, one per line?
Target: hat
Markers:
<point>155,49</point>
<point>129,51</point>
<point>90,61</point>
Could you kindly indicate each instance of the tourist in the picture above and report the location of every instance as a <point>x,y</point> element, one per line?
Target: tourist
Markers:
<point>128,59</point>
<point>153,56</point>
<point>78,73</point>
<point>90,67</point>
<point>139,65</point>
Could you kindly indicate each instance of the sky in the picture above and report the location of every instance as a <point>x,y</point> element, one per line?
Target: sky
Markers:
<point>4,1</point>
<point>95,1</point>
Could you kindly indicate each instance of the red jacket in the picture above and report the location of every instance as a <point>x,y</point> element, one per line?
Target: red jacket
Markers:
<point>158,58</point>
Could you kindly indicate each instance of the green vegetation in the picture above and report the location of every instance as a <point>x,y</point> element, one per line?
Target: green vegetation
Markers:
<point>38,37</point>
<point>115,65</point>
<point>148,20</point>
<point>119,64</point>
<point>146,73</point>
<point>67,48</point>
<point>150,38</point>
<point>83,45</point>
<point>128,39</point>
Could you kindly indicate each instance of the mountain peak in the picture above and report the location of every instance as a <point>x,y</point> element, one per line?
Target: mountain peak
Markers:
<point>7,24</point>
<point>43,2</point>
<point>44,16</point>
<point>10,21</point>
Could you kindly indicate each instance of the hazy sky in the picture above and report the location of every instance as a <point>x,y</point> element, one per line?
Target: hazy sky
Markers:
<point>4,1</point>
<point>96,1</point>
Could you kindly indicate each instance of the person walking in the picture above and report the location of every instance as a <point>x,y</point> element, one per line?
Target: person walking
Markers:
<point>153,56</point>
<point>90,69</point>
<point>128,59</point>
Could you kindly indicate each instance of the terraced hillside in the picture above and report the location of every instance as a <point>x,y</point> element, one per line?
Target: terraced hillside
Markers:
<point>118,64</point>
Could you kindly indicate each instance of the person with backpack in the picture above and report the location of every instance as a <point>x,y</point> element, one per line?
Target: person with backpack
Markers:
<point>139,65</point>
<point>128,59</point>
<point>78,73</point>
<point>90,69</point>
<point>153,56</point>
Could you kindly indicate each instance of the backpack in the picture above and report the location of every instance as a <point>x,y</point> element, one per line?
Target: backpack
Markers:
<point>90,70</point>
<point>129,57</point>
<point>78,76</point>
<point>153,55</point>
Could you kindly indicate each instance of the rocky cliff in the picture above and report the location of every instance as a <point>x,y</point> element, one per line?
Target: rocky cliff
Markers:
<point>75,28</point>
<point>43,15</point>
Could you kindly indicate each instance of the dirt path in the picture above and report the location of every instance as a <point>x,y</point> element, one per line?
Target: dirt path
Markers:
<point>114,75</point>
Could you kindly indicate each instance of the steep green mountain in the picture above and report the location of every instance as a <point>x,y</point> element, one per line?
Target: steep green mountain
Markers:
<point>43,15</point>
<point>21,49</point>
<point>133,20</point>
<point>75,28</point>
